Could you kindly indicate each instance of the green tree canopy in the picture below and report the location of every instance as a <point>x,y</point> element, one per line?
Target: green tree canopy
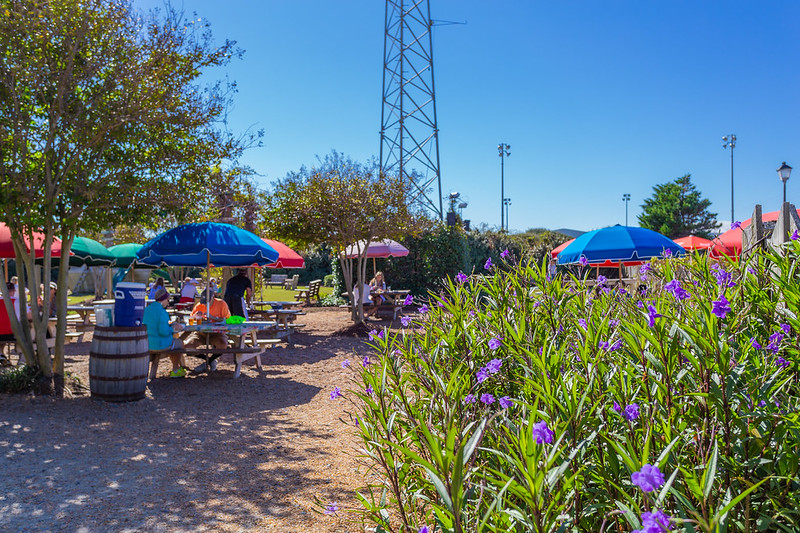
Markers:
<point>339,202</point>
<point>676,209</point>
<point>102,122</point>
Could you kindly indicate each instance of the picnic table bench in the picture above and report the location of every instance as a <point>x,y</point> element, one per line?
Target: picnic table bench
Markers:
<point>311,292</point>
<point>240,355</point>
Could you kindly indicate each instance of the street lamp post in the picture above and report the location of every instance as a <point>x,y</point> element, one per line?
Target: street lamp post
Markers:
<point>506,202</point>
<point>730,141</point>
<point>783,173</point>
<point>626,198</point>
<point>503,150</point>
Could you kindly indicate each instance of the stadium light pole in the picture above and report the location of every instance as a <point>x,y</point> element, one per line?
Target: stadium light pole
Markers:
<point>503,150</point>
<point>507,202</point>
<point>730,141</point>
<point>626,198</point>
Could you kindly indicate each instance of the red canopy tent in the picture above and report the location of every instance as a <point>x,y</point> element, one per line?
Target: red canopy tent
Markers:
<point>730,242</point>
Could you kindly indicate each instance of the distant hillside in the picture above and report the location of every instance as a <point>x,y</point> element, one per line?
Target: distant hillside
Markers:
<point>569,232</point>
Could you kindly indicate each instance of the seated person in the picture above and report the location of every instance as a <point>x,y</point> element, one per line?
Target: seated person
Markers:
<point>160,331</point>
<point>376,285</point>
<point>366,300</point>
<point>52,296</point>
<point>188,291</point>
<point>217,312</point>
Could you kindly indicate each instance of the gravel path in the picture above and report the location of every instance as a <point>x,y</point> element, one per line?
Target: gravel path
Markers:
<point>205,453</point>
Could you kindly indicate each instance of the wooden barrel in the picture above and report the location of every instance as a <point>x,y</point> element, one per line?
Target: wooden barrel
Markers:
<point>118,363</point>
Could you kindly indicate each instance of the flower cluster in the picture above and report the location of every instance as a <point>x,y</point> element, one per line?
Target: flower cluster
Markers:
<point>721,307</point>
<point>674,288</point>
<point>493,367</point>
<point>655,522</point>
<point>723,277</point>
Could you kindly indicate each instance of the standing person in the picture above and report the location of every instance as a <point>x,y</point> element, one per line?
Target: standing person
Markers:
<point>160,331</point>
<point>188,291</point>
<point>238,288</point>
<point>159,283</point>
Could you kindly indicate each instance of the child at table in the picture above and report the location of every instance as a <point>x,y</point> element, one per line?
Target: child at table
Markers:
<point>217,312</point>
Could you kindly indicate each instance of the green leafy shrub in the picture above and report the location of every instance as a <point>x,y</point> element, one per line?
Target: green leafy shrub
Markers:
<point>520,403</point>
<point>19,379</point>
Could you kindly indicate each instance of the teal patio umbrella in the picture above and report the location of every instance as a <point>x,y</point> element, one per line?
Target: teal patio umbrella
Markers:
<point>89,252</point>
<point>125,253</point>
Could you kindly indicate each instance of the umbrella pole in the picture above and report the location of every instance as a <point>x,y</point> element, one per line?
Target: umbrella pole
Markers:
<point>374,270</point>
<point>620,270</point>
<point>208,302</point>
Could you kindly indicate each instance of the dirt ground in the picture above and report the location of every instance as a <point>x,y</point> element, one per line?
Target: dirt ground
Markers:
<point>204,453</point>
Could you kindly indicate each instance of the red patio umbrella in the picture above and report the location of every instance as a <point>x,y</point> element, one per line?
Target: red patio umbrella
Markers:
<point>693,242</point>
<point>7,249</point>
<point>287,258</point>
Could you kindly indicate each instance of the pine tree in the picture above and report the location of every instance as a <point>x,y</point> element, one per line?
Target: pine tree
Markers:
<point>677,210</point>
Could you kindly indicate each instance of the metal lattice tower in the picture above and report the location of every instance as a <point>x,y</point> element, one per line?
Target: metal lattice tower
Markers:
<point>409,133</point>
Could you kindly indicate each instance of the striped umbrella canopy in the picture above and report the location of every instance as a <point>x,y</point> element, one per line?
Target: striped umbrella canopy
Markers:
<point>89,252</point>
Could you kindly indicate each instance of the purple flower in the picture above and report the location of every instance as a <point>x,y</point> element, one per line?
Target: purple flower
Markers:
<point>724,278</point>
<point>336,393</point>
<point>505,253</point>
<point>369,390</point>
<point>582,323</point>
<point>721,307</point>
<point>613,323</point>
<point>494,366</point>
<point>754,343</point>
<point>424,529</point>
<point>541,433</point>
<point>488,264</point>
<point>655,522</point>
<point>495,343</point>
<point>583,261</point>
<point>346,363</point>
<point>786,328</point>
<point>405,321</point>
<point>409,300</point>
<point>652,315</point>
<point>631,412</point>
<point>752,271</point>
<point>487,398</point>
<point>331,508</point>
<point>645,268</point>
<point>366,361</point>
<point>617,345</point>
<point>639,304</point>
<point>617,407</point>
<point>602,345</point>
<point>461,277</point>
<point>470,398</point>
<point>505,402</point>
<point>775,341</point>
<point>424,309</point>
<point>781,362</point>
<point>674,287</point>
<point>762,403</point>
<point>736,224</point>
<point>795,236</point>
<point>482,375</point>
<point>601,280</point>
<point>667,252</point>
<point>649,478</point>
<point>373,334</point>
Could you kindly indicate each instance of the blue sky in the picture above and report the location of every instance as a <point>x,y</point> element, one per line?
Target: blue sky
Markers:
<point>595,98</point>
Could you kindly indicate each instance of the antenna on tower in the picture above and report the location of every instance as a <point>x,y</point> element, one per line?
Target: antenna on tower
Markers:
<point>409,132</point>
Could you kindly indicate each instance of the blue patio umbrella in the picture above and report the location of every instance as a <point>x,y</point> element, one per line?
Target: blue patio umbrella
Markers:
<point>203,243</point>
<point>618,244</point>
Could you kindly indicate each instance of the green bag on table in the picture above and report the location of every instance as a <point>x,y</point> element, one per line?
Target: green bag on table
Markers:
<point>234,319</point>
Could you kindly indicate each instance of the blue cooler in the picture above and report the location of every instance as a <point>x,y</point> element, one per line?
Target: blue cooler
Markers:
<point>129,304</point>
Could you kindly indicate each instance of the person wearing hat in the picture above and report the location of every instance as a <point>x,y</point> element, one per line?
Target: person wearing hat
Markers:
<point>238,288</point>
<point>52,290</point>
<point>160,331</point>
<point>217,312</point>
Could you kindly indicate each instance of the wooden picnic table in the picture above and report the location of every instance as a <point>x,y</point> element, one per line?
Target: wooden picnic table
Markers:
<point>394,299</point>
<point>236,332</point>
<point>276,304</point>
